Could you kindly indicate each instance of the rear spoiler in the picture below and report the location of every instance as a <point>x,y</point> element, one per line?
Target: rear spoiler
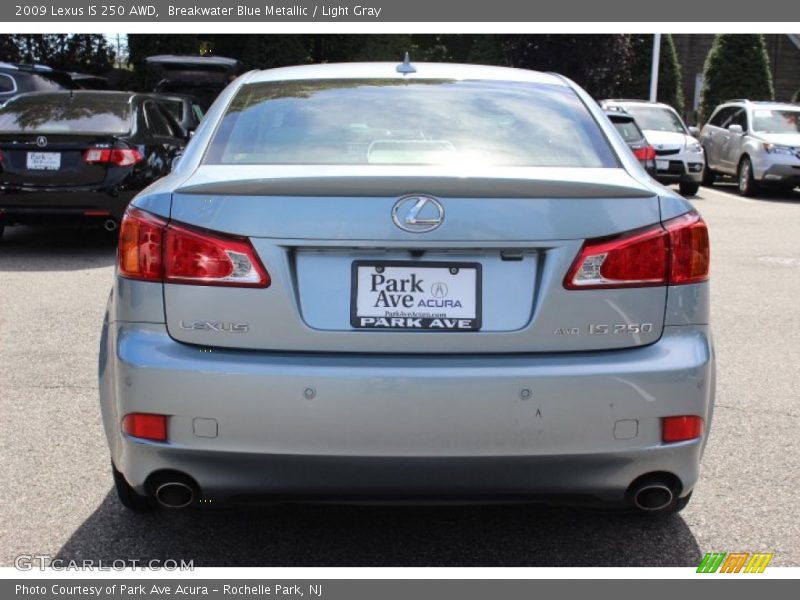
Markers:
<point>464,187</point>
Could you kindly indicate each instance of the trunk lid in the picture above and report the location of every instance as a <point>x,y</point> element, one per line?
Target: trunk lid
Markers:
<point>511,235</point>
<point>33,161</point>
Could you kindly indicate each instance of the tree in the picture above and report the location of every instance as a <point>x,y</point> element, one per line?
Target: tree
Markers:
<point>9,49</point>
<point>598,63</point>
<point>796,96</point>
<point>670,81</point>
<point>87,53</point>
<point>737,66</point>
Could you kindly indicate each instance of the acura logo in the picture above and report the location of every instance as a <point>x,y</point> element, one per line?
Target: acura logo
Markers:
<point>418,214</point>
<point>41,141</point>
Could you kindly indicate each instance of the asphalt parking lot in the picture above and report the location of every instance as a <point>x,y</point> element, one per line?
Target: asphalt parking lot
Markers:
<point>56,494</point>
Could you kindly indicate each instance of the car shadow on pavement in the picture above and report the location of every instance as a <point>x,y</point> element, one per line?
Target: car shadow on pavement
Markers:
<point>56,249</point>
<point>323,535</point>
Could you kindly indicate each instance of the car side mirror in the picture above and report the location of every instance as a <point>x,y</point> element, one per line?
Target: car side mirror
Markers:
<point>735,129</point>
<point>694,131</point>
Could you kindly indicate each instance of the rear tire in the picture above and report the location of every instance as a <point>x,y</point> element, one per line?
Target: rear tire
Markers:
<point>688,188</point>
<point>747,184</point>
<point>128,497</point>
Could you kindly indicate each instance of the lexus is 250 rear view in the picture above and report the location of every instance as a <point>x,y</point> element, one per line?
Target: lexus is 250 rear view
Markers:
<point>414,283</point>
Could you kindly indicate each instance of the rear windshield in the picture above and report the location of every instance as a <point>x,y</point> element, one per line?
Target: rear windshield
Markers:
<point>628,129</point>
<point>656,118</point>
<point>60,113</point>
<point>396,122</point>
<point>776,121</point>
<point>52,81</point>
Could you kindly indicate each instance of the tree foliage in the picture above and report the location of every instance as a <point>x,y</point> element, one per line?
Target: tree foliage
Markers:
<point>737,66</point>
<point>670,80</point>
<point>83,52</point>
<point>605,65</point>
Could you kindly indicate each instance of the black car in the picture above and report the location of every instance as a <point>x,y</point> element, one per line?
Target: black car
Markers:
<point>16,78</point>
<point>202,77</point>
<point>186,109</point>
<point>81,154</point>
<point>630,132</point>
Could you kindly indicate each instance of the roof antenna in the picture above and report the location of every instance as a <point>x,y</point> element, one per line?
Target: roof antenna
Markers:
<point>406,67</point>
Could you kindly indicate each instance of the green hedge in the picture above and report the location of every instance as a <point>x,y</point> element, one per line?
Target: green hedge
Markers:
<point>737,66</point>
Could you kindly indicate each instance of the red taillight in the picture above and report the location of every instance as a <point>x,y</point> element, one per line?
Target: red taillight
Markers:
<point>691,251</point>
<point>141,240</point>
<point>204,258</point>
<point>638,259</point>
<point>675,254</point>
<point>681,429</point>
<point>153,250</point>
<point>146,426</point>
<point>119,157</point>
<point>645,153</point>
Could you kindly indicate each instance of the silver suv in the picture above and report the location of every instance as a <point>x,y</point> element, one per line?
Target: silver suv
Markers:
<point>757,142</point>
<point>679,155</point>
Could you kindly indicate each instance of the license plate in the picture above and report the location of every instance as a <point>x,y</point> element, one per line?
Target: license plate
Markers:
<point>411,295</point>
<point>662,165</point>
<point>44,161</point>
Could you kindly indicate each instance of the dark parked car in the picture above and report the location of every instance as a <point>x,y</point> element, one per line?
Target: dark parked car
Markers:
<point>203,77</point>
<point>18,78</point>
<point>81,154</point>
<point>186,109</point>
<point>627,128</point>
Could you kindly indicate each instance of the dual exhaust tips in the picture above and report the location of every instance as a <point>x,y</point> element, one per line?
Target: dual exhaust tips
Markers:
<point>649,494</point>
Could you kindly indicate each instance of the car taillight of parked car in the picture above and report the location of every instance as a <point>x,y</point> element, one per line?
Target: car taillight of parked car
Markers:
<point>675,253</point>
<point>151,249</point>
<point>645,153</point>
<point>119,157</point>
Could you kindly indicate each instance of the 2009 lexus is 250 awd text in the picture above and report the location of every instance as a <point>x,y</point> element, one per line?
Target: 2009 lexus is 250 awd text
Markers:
<point>414,282</point>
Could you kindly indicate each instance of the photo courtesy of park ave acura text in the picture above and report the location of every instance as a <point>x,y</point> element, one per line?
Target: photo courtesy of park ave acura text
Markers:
<point>399,300</point>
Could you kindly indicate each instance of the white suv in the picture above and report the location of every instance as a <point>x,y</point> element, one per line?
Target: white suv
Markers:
<point>757,142</point>
<point>679,155</point>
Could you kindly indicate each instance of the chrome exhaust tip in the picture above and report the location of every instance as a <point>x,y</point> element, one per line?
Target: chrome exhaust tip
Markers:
<point>110,225</point>
<point>653,497</point>
<point>174,494</point>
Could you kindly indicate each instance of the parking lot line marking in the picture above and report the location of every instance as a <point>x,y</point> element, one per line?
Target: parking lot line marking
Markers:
<point>728,194</point>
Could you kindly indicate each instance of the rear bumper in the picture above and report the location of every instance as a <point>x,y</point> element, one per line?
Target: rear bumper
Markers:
<point>266,425</point>
<point>36,206</point>
<point>236,477</point>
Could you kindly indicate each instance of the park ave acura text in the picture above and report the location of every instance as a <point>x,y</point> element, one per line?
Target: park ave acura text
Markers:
<point>410,283</point>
